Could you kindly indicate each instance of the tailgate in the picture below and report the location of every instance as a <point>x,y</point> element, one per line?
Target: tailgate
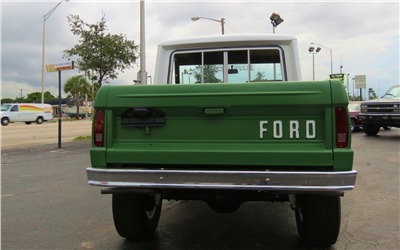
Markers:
<point>274,125</point>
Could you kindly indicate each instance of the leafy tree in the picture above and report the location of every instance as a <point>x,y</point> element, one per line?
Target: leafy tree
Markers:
<point>102,53</point>
<point>93,89</point>
<point>209,72</point>
<point>78,87</point>
<point>259,77</point>
<point>19,99</point>
<point>96,87</point>
<point>7,100</point>
<point>37,96</point>
<point>372,94</point>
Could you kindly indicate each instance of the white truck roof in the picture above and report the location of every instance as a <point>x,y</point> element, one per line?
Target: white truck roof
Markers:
<point>250,39</point>
<point>287,42</point>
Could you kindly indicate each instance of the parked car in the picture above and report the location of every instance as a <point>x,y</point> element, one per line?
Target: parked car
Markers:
<point>383,112</point>
<point>81,115</point>
<point>354,111</point>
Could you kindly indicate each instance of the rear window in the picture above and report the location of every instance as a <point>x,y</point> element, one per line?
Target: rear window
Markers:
<point>227,66</point>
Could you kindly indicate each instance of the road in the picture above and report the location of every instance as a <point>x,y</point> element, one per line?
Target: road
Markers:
<point>47,204</point>
<point>21,135</point>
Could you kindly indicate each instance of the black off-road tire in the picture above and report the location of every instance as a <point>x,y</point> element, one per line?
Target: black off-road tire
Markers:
<point>5,121</point>
<point>136,216</point>
<point>353,126</point>
<point>318,219</point>
<point>371,130</point>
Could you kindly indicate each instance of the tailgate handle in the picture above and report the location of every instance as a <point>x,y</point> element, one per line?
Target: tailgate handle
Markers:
<point>214,111</point>
<point>140,117</point>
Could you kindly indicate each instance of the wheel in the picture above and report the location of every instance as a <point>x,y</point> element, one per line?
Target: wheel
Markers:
<point>136,216</point>
<point>353,125</point>
<point>318,219</point>
<point>28,123</point>
<point>5,121</point>
<point>371,129</point>
<point>39,120</point>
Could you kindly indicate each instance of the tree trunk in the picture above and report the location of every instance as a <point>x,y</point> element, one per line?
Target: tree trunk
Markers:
<point>77,106</point>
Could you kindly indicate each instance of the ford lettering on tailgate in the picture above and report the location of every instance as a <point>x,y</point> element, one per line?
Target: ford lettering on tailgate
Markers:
<point>292,129</point>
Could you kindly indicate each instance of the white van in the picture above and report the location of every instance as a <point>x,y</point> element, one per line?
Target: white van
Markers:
<point>25,112</point>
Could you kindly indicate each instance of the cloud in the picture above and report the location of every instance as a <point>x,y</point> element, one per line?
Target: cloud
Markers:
<point>15,89</point>
<point>363,36</point>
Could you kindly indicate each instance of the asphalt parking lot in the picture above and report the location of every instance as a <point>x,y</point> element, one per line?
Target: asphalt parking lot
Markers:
<point>18,134</point>
<point>47,204</point>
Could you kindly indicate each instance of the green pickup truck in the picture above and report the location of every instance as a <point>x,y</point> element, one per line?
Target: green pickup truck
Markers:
<point>228,121</point>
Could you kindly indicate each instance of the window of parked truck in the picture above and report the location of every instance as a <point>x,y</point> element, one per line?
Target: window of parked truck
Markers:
<point>228,66</point>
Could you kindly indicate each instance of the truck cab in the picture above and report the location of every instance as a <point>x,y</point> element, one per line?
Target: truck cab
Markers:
<point>228,59</point>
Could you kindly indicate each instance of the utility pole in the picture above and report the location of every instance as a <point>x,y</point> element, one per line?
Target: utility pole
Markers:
<point>45,17</point>
<point>330,53</point>
<point>313,51</point>
<point>142,73</point>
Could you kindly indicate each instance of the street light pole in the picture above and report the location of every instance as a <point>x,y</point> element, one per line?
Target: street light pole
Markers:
<point>142,73</point>
<point>330,53</point>
<point>45,17</point>
<point>223,25</point>
<point>222,21</point>
<point>313,51</point>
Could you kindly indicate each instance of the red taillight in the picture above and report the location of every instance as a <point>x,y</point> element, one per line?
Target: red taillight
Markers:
<point>342,128</point>
<point>98,128</point>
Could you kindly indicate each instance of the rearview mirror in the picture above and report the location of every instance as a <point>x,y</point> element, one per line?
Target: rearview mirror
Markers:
<point>232,71</point>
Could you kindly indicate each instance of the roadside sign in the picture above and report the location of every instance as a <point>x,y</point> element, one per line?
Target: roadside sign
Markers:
<point>60,66</point>
<point>339,77</point>
<point>360,82</point>
<point>53,68</point>
<point>335,76</point>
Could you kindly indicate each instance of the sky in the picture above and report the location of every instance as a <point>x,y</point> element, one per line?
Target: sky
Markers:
<point>362,35</point>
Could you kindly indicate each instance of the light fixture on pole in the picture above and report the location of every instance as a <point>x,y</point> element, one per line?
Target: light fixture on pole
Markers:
<point>313,51</point>
<point>275,20</point>
<point>222,21</point>
<point>45,17</point>
<point>330,52</point>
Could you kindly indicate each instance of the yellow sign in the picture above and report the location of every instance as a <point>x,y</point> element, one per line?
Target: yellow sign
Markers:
<point>60,66</point>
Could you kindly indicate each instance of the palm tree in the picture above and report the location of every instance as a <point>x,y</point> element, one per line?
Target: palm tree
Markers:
<point>372,94</point>
<point>78,87</point>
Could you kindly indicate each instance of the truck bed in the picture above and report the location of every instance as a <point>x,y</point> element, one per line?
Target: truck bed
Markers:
<point>274,125</point>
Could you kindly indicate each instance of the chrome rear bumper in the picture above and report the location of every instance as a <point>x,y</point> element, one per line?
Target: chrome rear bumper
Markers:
<point>229,180</point>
